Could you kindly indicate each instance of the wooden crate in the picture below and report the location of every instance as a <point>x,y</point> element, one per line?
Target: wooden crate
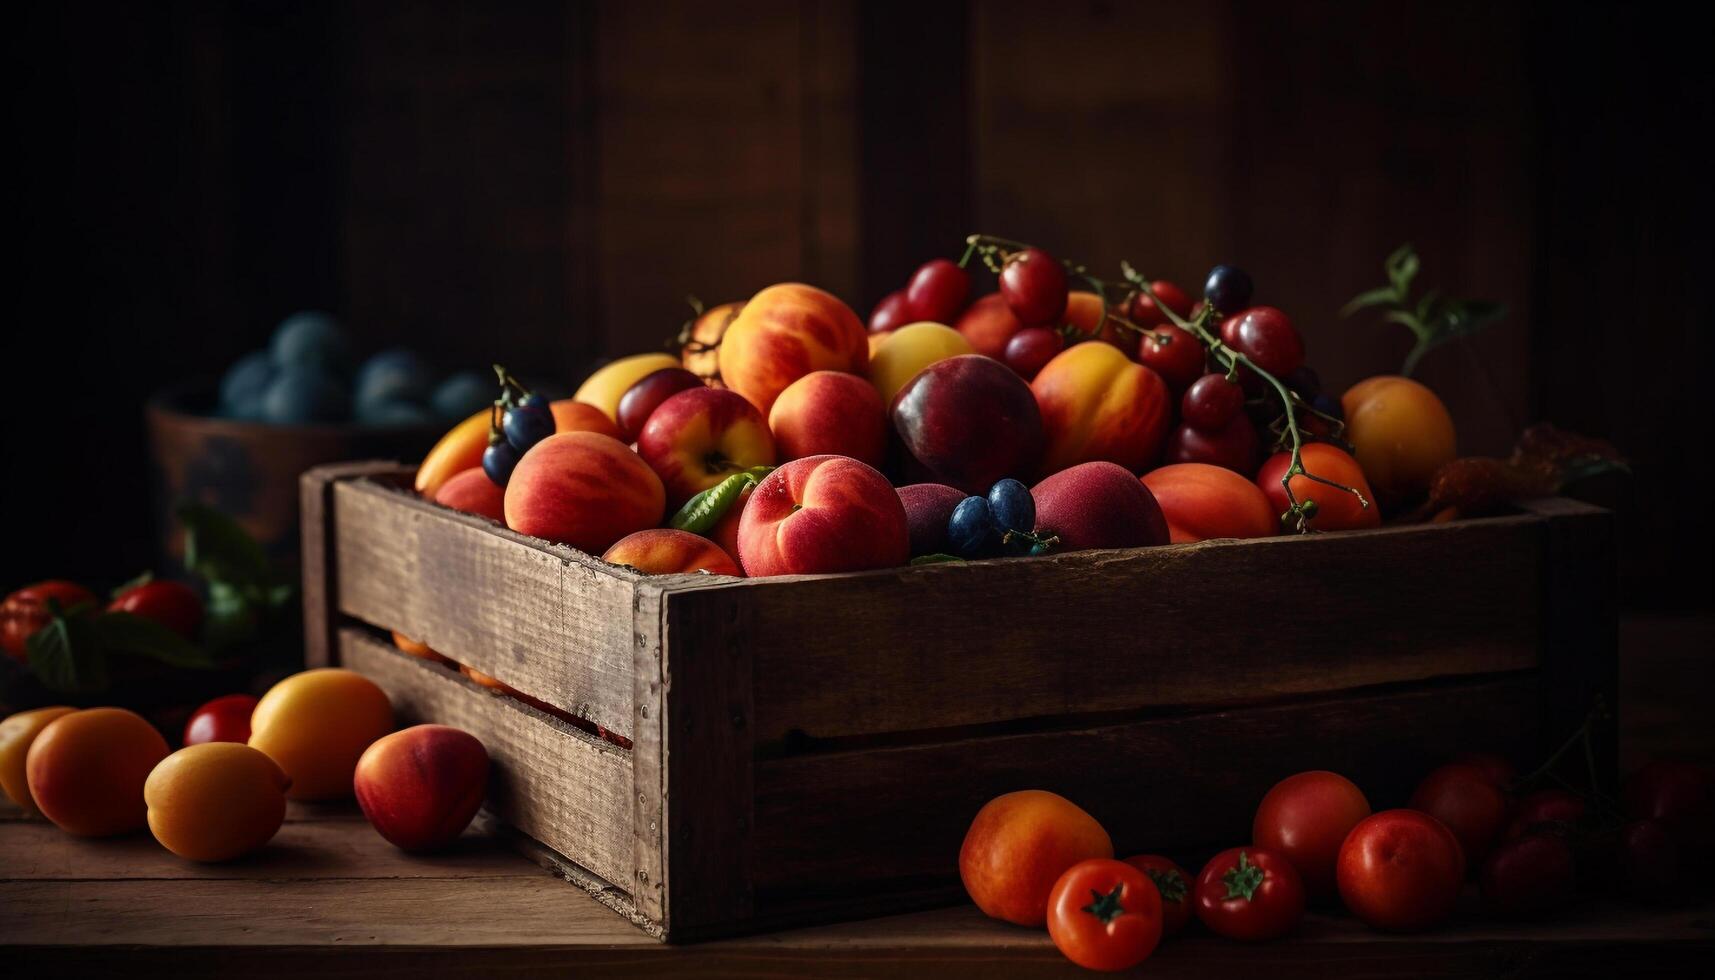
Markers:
<point>812,747</point>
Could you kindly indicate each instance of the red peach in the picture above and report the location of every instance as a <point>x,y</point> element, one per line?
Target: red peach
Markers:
<point>698,438</point>
<point>822,514</point>
<point>784,333</point>
<point>1098,505</point>
<point>420,787</point>
<point>988,324</point>
<point>927,508</point>
<point>830,413</point>
<point>474,493</point>
<point>664,550</point>
<point>583,489</point>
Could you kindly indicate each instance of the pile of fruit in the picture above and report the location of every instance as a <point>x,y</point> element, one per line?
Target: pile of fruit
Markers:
<point>322,734</point>
<point>1035,419</point>
<point>308,374</point>
<point>1531,844</point>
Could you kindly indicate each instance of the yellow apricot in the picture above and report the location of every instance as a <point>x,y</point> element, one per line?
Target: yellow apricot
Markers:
<point>316,724</point>
<point>16,734</point>
<point>215,801</point>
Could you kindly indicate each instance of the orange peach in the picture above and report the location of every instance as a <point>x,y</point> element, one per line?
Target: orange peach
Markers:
<point>822,514</point>
<point>315,724</point>
<point>459,450</point>
<point>1400,433</point>
<point>784,333</point>
<point>988,324</point>
<point>664,550</point>
<point>911,349</point>
<point>215,801</point>
<point>608,383</point>
<point>583,489</point>
<point>1204,501</point>
<point>474,493</point>
<point>701,436</point>
<point>1098,404</point>
<point>420,787</point>
<point>830,413</point>
<point>571,415</point>
<point>16,734</point>
<point>1017,847</point>
<point>86,770</point>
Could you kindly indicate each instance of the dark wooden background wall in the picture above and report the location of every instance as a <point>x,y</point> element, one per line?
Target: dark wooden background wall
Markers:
<point>543,183</point>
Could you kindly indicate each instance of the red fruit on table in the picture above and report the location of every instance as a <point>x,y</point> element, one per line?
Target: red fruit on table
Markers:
<point>1234,447</point>
<point>1249,893</point>
<point>1034,284</point>
<point>1211,403</point>
<point>643,398</point>
<point>174,605</point>
<point>1529,876</point>
<point>421,786</point>
<point>224,719</point>
<point>1105,915</point>
<point>1463,798</point>
<point>1175,888</point>
<point>1267,337</point>
<point>1400,870</point>
<point>970,420</point>
<point>1305,818</point>
<point>937,291</point>
<point>1145,313</point>
<point>26,611</point>
<point>1551,810</point>
<point>892,312</point>
<point>1031,348</point>
<point>1173,353</point>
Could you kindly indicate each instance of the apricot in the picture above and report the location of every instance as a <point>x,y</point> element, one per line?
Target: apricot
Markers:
<point>472,492</point>
<point>608,384</point>
<point>86,770</point>
<point>664,550</point>
<point>911,349</point>
<point>16,734</point>
<point>420,787</point>
<point>1400,433</point>
<point>316,724</point>
<point>215,801</point>
<point>783,333</point>
<point>1017,848</point>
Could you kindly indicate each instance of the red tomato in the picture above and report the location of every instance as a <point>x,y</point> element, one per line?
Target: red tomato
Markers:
<point>172,604</point>
<point>1175,888</point>
<point>225,719</point>
<point>1249,893</point>
<point>1173,353</point>
<point>1400,869</point>
<point>1544,809</point>
<point>1306,818</point>
<point>1105,915</point>
<point>1337,510</point>
<point>1529,876</point>
<point>26,611</point>
<point>1462,797</point>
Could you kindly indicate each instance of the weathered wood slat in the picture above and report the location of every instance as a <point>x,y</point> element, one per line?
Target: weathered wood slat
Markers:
<point>548,620</point>
<point>567,789</point>
<point>1217,622</point>
<point>879,818</point>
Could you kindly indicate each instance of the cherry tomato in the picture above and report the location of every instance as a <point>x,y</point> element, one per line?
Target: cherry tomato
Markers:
<point>1306,818</point>
<point>1105,915</point>
<point>174,605</point>
<point>1267,337</point>
<point>1211,402</point>
<point>1175,888</point>
<point>1336,510</point>
<point>1498,770</point>
<point>26,611</point>
<point>225,719</point>
<point>1145,313</point>
<point>1034,284</point>
<point>893,311</point>
<point>1249,893</point>
<point>1464,799</point>
<point>1544,810</point>
<point>1400,869</point>
<point>1234,446</point>
<point>1031,348</point>
<point>937,291</point>
<point>1175,354</point>
<point>1529,876</point>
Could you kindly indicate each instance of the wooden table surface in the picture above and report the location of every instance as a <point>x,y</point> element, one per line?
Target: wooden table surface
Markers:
<point>329,895</point>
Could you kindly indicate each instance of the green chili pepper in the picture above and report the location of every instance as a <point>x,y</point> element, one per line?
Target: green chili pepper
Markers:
<point>706,509</point>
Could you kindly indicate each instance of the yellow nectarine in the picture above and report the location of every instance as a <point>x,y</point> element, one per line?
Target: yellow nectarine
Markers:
<point>215,801</point>
<point>316,724</point>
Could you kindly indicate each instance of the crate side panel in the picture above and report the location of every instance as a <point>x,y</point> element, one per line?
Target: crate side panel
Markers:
<point>1219,622</point>
<point>568,790</point>
<point>548,621</point>
<point>893,818</point>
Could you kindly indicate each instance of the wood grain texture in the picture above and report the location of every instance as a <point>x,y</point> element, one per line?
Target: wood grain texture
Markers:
<point>888,818</point>
<point>320,581</point>
<point>548,620</point>
<point>1216,622</point>
<point>569,790</point>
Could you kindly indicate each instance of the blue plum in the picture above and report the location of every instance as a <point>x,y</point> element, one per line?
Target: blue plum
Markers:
<point>312,339</point>
<point>244,384</point>
<point>463,395</point>
<point>395,375</point>
<point>300,396</point>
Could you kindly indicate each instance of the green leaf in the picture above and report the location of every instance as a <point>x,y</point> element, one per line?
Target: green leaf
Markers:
<point>1408,321</point>
<point>137,636</point>
<point>65,658</point>
<point>1402,267</point>
<point>230,618</point>
<point>218,550</point>
<point>937,558</point>
<point>1379,296</point>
